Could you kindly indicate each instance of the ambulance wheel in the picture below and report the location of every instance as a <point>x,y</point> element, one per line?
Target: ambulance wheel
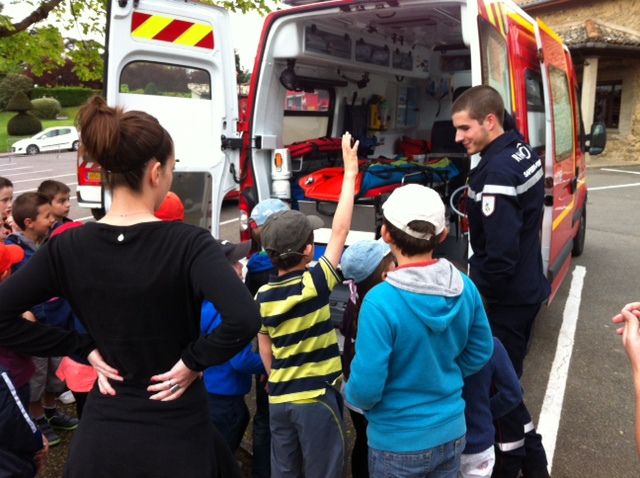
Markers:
<point>578,240</point>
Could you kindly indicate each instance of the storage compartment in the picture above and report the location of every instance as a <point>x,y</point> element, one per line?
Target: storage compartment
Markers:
<point>387,74</point>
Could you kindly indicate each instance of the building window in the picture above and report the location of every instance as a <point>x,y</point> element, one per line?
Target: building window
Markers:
<point>608,94</point>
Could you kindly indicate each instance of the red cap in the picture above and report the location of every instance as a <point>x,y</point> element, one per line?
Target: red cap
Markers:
<point>10,254</point>
<point>171,208</point>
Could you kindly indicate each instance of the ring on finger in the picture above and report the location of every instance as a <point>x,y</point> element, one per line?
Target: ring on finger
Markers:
<point>174,388</point>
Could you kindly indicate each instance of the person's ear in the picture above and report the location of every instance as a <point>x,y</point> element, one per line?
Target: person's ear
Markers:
<point>443,235</point>
<point>308,251</point>
<point>27,223</point>
<point>155,172</point>
<point>386,236</point>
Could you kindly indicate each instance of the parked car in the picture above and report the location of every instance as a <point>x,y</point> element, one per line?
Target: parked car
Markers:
<point>51,139</point>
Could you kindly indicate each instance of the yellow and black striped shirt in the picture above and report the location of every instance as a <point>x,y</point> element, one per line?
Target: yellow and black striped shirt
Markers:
<point>296,316</point>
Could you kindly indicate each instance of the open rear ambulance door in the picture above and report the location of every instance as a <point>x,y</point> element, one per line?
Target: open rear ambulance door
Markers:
<point>560,184</point>
<point>175,61</point>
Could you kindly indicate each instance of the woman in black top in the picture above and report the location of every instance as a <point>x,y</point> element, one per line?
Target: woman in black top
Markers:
<point>137,285</point>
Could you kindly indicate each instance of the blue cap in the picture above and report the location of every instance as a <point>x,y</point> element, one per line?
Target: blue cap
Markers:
<point>361,259</point>
<point>266,208</point>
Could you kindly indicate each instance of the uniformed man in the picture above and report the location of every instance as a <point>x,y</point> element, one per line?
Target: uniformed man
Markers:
<point>504,207</point>
<point>505,203</point>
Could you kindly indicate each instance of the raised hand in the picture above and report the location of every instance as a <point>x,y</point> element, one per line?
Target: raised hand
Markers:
<point>350,154</point>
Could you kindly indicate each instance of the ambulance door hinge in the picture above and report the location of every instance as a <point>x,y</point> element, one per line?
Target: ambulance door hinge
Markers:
<point>230,143</point>
<point>540,55</point>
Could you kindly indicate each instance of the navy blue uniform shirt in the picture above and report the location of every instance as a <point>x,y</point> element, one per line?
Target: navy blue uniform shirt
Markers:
<point>505,205</point>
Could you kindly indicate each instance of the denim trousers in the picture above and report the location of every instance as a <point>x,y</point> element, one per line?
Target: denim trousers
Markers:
<point>442,461</point>
<point>230,416</point>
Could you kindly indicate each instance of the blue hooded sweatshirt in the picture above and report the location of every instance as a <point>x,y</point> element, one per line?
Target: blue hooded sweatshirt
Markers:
<point>232,378</point>
<point>419,334</point>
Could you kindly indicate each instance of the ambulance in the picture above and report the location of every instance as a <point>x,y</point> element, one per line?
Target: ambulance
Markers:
<point>387,71</point>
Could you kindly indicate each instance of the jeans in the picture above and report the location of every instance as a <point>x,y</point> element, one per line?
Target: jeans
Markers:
<point>261,434</point>
<point>230,416</point>
<point>442,461</point>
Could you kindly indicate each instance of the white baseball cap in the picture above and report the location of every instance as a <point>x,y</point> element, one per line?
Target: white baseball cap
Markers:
<point>415,202</point>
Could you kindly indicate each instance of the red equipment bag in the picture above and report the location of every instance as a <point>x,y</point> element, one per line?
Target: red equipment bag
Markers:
<point>326,184</point>
<point>317,145</point>
<point>409,146</point>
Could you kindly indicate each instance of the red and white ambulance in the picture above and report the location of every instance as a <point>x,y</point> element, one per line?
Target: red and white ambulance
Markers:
<point>387,71</point>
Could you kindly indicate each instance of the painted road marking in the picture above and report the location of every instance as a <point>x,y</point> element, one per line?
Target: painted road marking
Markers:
<point>42,179</point>
<point>601,188</point>
<point>30,172</point>
<point>30,190</point>
<point>619,171</point>
<point>554,396</point>
<point>229,221</point>
<point>14,169</point>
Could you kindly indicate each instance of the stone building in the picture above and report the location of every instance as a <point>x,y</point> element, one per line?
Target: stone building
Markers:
<point>604,39</point>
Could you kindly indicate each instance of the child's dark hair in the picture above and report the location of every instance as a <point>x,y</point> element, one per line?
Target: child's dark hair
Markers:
<point>51,187</point>
<point>409,245</point>
<point>374,278</point>
<point>26,206</point>
<point>5,183</point>
<point>289,260</point>
<point>122,143</point>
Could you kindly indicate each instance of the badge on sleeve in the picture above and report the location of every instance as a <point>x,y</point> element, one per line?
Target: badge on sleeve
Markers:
<point>488,205</point>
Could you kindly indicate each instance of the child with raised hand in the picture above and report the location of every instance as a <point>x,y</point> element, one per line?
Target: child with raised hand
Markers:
<point>298,345</point>
<point>366,263</point>
<point>421,332</point>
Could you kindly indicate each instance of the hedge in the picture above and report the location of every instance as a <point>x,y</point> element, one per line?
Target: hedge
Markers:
<point>46,108</point>
<point>66,95</point>
<point>23,124</point>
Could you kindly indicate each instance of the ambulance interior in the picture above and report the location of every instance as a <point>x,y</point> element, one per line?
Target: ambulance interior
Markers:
<point>387,75</point>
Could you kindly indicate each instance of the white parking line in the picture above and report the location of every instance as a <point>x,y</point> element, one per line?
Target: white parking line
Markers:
<point>617,186</point>
<point>619,171</point>
<point>552,405</point>
<point>14,169</point>
<point>42,179</point>
<point>15,193</point>
<point>30,172</point>
<point>229,221</point>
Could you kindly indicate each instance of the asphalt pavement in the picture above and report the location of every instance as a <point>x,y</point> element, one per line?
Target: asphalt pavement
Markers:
<point>588,409</point>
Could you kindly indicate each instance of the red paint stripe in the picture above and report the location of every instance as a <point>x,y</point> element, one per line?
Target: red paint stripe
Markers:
<point>207,41</point>
<point>138,19</point>
<point>173,30</point>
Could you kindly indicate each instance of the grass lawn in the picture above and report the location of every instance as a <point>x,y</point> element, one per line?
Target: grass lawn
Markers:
<point>6,141</point>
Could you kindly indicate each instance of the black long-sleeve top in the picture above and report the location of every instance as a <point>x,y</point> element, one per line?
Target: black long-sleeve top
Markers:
<point>138,291</point>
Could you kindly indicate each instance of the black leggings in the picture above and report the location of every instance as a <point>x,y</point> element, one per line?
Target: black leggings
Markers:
<point>360,452</point>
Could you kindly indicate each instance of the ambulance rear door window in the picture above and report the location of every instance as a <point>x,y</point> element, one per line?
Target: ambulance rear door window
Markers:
<point>163,79</point>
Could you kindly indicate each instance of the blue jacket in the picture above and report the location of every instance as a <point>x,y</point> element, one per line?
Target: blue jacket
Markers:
<point>482,408</point>
<point>419,334</point>
<point>505,205</point>
<point>232,378</point>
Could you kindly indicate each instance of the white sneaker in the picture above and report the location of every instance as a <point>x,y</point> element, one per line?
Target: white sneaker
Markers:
<point>66,398</point>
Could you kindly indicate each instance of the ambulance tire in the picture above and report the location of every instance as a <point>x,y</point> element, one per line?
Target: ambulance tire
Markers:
<point>98,213</point>
<point>578,240</point>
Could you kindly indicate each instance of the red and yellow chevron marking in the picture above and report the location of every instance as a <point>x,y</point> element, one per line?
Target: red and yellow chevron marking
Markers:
<point>170,30</point>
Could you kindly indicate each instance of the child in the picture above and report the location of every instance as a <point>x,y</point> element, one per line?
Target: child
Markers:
<point>32,214</point>
<point>6,198</point>
<point>22,447</point>
<point>420,333</point>
<point>297,342</point>
<point>227,384</point>
<point>259,269</point>
<point>489,395</point>
<point>367,264</point>
<point>58,194</point>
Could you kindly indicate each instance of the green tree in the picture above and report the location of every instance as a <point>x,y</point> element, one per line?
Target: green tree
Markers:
<point>242,76</point>
<point>28,42</point>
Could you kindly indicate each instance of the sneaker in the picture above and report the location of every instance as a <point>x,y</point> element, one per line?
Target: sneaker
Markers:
<point>66,398</point>
<point>51,436</point>
<point>60,421</point>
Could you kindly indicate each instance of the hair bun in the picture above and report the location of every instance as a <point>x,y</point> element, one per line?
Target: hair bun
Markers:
<point>99,126</point>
